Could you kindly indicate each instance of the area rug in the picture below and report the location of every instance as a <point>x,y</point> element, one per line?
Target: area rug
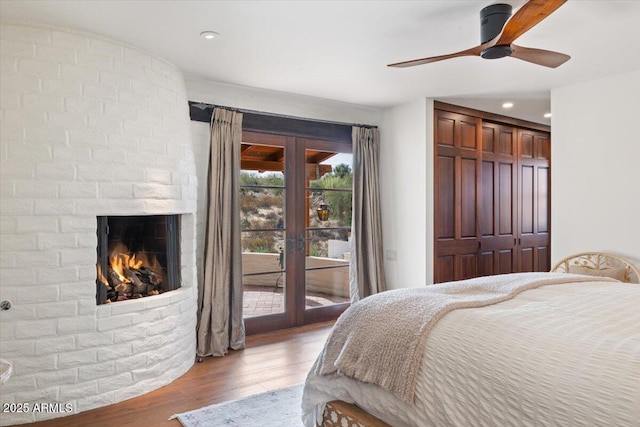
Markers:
<point>277,408</point>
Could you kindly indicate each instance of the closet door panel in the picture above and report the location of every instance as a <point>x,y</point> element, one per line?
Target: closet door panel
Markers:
<point>445,130</point>
<point>506,261</point>
<point>457,188</point>
<point>488,139</point>
<point>527,191</point>
<point>499,188</point>
<point>543,259</point>
<point>526,145</point>
<point>468,198</point>
<point>542,147</point>
<point>444,271</point>
<point>534,201</point>
<point>526,259</point>
<point>487,264</point>
<point>469,266</point>
<point>506,188</point>
<point>488,199</point>
<point>506,142</point>
<point>468,134</point>
<point>542,199</point>
<point>445,197</point>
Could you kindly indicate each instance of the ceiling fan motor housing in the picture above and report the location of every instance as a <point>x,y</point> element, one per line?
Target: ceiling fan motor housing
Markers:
<point>492,20</point>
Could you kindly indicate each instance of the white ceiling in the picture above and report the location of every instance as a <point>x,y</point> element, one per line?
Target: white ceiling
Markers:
<point>339,49</point>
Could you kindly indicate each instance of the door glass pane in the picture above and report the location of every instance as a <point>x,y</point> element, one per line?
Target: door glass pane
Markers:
<point>262,202</point>
<point>328,227</point>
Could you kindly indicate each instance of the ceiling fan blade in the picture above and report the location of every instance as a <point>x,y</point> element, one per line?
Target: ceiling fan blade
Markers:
<point>474,51</point>
<point>529,15</point>
<point>543,57</point>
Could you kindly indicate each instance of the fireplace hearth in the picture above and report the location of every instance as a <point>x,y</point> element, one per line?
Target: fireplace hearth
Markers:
<point>137,257</point>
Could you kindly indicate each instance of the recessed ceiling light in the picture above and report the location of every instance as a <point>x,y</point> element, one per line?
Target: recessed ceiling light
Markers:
<point>547,115</point>
<point>507,105</point>
<point>210,35</point>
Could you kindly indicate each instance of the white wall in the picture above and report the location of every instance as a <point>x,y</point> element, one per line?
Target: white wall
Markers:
<point>595,155</point>
<point>268,101</point>
<point>406,176</point>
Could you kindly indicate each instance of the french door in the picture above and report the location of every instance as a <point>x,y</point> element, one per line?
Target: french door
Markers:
<point>296,196</point>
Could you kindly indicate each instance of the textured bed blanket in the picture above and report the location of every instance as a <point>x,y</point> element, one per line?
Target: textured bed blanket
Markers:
<point>381,339</point>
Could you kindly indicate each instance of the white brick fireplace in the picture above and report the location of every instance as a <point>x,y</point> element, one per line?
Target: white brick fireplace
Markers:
<point>89,127</point>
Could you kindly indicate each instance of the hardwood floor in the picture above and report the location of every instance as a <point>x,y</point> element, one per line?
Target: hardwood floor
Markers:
<point>270,361</point>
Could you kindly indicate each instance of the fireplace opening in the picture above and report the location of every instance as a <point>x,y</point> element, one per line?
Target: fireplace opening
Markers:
<point>138,256</point>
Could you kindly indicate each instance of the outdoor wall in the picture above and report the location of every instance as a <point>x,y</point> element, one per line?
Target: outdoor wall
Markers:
<point>331,281</point>
<point>595,155</point>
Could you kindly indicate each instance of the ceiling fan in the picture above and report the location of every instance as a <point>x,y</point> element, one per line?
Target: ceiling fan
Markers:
<point>498,32</point>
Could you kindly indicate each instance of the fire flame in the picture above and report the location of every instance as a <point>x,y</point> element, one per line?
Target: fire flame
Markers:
<point>131,274</point>
<point>119,260</point>
<point>101,277</point>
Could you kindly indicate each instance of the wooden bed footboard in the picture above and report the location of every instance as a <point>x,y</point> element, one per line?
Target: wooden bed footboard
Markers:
<point>340,414</point>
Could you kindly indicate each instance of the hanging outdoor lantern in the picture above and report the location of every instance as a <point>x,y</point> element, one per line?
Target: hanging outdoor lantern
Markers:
<point>323,212</point>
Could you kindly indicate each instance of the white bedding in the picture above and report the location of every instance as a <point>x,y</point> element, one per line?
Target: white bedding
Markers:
<point>557,355</point>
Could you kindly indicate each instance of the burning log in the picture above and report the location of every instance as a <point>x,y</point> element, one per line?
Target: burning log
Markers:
<point>150,276</point>
<point>123,288</point>
<point>141,281</point>
<point>137,285</point>
<point>132,275</point>
<point>116,284</point>
<point>113,277</point>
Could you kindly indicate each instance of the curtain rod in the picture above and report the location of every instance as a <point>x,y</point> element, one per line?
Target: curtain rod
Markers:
<point>204,106</point>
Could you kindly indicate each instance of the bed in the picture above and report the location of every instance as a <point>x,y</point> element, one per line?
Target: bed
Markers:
<point>563,349</point>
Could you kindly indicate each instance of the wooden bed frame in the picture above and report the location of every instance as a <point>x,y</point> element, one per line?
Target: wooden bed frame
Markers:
<point>339,414</point>
<point>598,264</point>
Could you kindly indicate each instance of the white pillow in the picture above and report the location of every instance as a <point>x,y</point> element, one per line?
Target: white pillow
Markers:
<point>617,273</point>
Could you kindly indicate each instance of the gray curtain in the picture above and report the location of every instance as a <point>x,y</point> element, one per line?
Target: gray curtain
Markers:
<point>366,265</point>
<point>220,324</point>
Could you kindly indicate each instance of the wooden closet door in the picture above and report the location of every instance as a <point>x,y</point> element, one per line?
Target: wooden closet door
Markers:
<point>534,201</point>
<point>457,195</point>
<point>498,219</point>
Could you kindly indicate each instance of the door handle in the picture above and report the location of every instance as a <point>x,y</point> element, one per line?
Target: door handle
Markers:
<point>293,242</point>
<point>290,244</point>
